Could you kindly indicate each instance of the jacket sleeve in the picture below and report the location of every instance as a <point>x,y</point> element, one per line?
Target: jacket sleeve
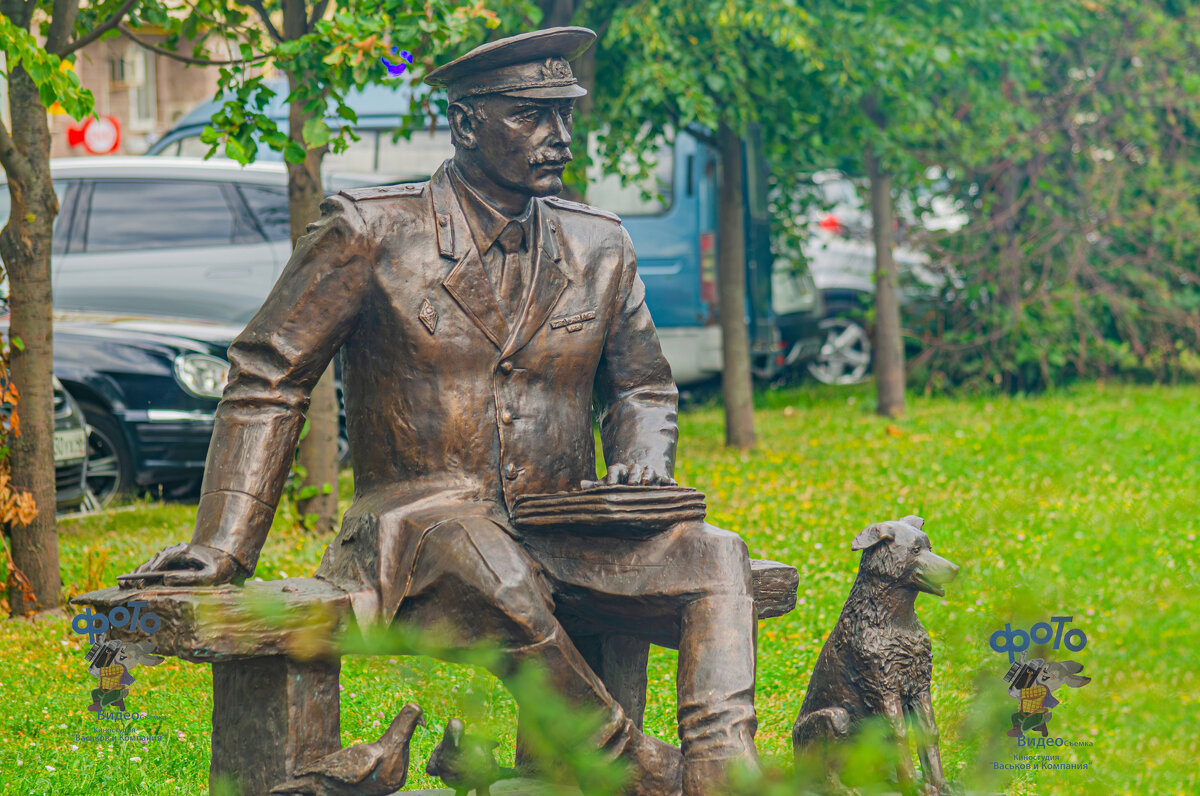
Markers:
<point>276,361</point>
<point>635,394</point>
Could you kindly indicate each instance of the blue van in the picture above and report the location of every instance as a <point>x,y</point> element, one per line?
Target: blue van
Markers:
<point>671,218</point>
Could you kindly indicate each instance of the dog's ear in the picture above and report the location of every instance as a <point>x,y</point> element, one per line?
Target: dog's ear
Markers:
<point>872,535</point>
<point>1072,667</point>
<point>913,520</point>
<point>1076,681</point>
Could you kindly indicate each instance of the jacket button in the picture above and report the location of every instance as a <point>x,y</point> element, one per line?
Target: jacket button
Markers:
<point>506,367</point>
<point>510,471</point>
<point>506,417</point>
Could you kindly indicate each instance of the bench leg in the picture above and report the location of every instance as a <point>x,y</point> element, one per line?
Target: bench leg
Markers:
<point>270,715</point>
<point>622,667</point>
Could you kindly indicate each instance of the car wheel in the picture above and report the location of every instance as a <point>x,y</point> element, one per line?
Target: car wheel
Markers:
<point>110,463</point>
<point>845,356</point>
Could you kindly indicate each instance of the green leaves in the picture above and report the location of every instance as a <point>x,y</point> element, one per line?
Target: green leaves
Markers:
<point>54,77</point>
<point>337,55</point>
<point>316,132</point>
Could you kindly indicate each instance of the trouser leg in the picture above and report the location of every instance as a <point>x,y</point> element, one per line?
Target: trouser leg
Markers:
<point>476,583</point>
<point>688,588</point>
<point>716,689</point>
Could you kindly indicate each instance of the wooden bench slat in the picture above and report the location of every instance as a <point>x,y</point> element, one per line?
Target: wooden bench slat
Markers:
<point>205,624</point>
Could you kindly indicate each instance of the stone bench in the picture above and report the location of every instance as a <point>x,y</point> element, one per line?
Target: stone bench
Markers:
<point>276,701</point>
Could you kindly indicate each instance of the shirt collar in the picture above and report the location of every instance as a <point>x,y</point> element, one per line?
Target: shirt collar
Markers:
<point>485,221</point>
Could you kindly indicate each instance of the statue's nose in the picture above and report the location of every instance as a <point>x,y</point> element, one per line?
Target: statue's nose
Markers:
<point>561,132</point>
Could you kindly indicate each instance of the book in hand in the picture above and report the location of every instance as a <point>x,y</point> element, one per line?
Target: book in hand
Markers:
<point>609,510</point>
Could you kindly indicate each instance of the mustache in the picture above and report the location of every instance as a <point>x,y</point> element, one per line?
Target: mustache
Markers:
<point>552,157</point>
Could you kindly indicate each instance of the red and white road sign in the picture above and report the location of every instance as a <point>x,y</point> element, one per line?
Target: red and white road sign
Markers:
<point>97,136</point>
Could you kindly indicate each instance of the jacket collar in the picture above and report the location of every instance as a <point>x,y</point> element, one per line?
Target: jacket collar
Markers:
<point>486,222</point>
<point>468,282</point>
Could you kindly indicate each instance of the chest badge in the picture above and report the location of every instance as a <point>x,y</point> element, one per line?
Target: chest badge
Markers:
<point>428,316</point>
<point>573,323</point>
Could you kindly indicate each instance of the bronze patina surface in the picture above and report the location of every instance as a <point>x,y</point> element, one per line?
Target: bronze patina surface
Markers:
<point>485,325</point>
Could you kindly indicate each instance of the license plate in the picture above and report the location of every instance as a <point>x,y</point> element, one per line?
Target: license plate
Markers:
<point>69,445</point>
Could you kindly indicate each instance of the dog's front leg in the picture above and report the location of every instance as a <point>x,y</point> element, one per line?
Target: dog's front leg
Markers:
<point>927,745</point>
<point>893,709</point>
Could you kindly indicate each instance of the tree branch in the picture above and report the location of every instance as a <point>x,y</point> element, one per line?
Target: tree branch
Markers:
<point>62,22</point>
<point>187,59</point>
<point>98,31</point>
<point>317,12</point>
<point>258,6</point>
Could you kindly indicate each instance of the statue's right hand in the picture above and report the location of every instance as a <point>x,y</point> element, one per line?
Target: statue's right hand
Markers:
<point>186,565</point>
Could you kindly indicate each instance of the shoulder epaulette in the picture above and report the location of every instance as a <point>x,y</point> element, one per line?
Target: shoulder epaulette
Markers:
<point>383,191</point>
<point>580,207</point>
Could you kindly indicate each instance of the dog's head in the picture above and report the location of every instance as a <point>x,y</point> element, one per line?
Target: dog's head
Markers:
<point>900,552</point>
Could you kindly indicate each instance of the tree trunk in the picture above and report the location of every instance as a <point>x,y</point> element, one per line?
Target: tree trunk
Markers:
<point>889,340</point>
<point>318,450</point>
<point>25,246</point>
<point>736,385</point>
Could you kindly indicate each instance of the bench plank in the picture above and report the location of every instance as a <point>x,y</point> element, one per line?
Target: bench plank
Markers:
<point>206,624</point>
<point>214,623</point>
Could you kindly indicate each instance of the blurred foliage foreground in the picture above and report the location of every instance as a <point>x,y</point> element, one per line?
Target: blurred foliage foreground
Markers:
<point>1080,504</point>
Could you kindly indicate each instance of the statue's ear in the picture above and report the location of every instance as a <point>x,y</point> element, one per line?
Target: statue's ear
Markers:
<point>462,125</point>
<point>913,520</point>
<point>871,536</point>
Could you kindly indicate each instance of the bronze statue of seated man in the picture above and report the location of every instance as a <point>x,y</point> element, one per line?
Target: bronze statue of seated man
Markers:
<point>482,322</point>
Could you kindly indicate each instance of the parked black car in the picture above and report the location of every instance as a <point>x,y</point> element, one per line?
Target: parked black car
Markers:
<point>149,388</point>
<point>70,451</point>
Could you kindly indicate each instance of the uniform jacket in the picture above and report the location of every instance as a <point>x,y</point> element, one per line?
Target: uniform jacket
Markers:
<point>450,412</point>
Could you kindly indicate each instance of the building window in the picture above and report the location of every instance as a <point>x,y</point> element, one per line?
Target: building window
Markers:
<point>134,72</point>
<point>143,102</point>
<point>116,71</point>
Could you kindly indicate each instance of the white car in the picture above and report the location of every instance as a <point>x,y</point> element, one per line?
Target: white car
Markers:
<point>841,256</point>
<point>180,237</point>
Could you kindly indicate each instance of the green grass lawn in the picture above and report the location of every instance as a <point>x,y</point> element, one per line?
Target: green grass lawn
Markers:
<point>1080,503</point>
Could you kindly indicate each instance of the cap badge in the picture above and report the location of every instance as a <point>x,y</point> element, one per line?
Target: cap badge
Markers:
<point>556,69</point>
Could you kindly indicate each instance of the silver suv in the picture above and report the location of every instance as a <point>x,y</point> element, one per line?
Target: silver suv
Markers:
<point>182,237</point>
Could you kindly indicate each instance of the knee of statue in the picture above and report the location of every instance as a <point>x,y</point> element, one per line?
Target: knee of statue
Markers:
<point>726,558</point>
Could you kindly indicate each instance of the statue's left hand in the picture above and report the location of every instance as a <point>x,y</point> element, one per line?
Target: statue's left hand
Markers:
<point>634,475</point>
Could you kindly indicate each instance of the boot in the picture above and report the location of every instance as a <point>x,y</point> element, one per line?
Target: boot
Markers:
<point>656,768</point>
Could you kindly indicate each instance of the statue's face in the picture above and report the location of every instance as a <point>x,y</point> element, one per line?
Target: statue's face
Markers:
<point>522,145</point>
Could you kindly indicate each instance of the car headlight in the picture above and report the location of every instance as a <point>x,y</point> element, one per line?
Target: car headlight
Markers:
<point>201,375</point>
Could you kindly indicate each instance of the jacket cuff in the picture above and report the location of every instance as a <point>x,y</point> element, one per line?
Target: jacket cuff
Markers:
<point>235,523</point>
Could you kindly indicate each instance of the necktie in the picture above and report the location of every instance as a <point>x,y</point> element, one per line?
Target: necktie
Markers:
<point>510,241</point>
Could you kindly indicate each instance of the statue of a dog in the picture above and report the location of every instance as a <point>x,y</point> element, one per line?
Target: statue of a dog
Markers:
<point>878,661</point>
